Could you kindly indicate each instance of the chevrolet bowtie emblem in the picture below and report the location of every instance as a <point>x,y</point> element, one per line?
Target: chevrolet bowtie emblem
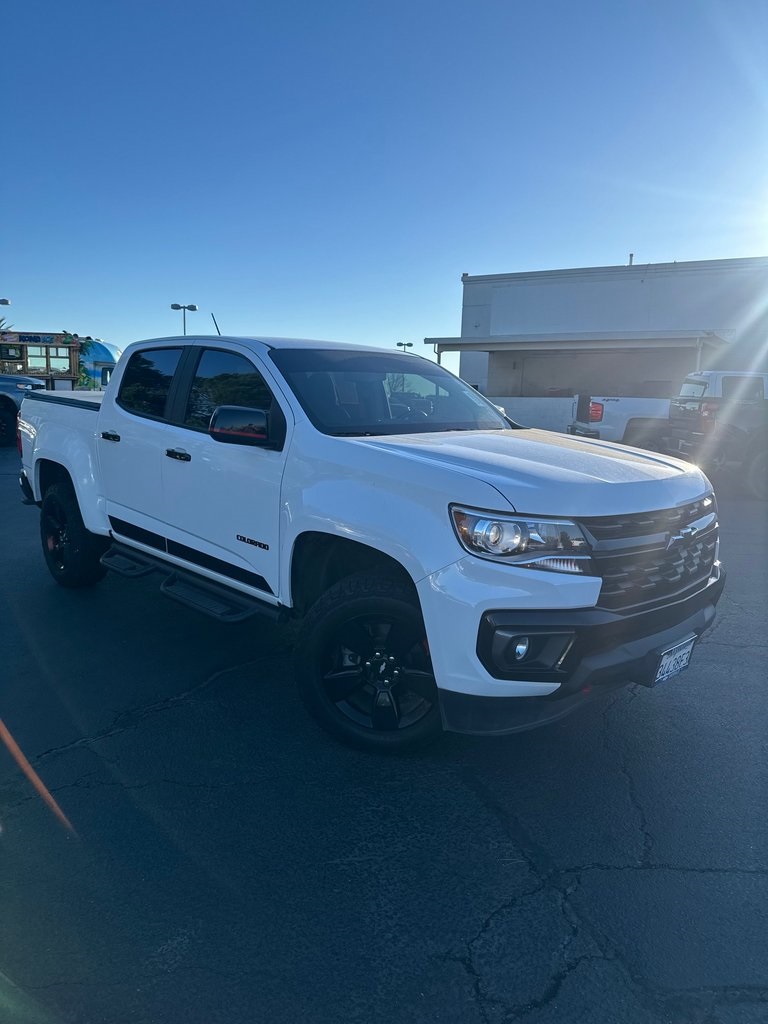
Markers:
<point>674,540</point>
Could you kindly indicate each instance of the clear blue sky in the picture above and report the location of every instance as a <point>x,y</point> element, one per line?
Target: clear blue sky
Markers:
<point>330,169</point>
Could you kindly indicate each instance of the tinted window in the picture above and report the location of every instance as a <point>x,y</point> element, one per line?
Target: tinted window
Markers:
<point>224,378</point>
<point>743,389</point>
<point>357,393</point>
<point>147,381</point>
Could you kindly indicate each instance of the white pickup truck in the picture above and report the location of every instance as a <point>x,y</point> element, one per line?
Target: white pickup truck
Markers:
<point>645,422</point>
<point>636,421</point>
<point>449,569</point>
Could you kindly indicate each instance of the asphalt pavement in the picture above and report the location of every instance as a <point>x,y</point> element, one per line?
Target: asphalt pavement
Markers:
<point>231,863</point>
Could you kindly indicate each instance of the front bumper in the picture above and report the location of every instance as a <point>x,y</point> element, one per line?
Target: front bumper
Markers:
<point>578,430</point>
<point>602,651</point>
<point>684,444</point>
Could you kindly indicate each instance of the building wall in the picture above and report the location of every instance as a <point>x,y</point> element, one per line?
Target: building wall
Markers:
<point>543,413</point>
<point>638,372</point>
<point>728,298</point>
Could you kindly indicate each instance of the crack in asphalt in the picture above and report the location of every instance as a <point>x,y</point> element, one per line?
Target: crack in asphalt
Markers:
<point>565,882</point>
<point>553,989</point>
<point>129,788</point>
<point>468,961</point>
<point>147,978</point>
<point>707,1002</point>
<point>738,647</point>
<point>133,717</point>
<point>634,797</point>
<point>550,878</point>
<point>677,868</point>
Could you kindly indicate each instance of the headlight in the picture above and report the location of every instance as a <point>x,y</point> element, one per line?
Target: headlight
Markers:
<point>554,545</point>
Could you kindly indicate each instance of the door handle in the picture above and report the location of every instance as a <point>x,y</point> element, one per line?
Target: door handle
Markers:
<point>179,454</point>
<point>110,435</point>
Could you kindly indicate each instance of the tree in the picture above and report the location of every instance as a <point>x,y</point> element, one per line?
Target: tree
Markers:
<point>83,347</point>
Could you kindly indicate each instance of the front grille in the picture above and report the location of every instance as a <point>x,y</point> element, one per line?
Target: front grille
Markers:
<point>648,558</point>
<point>639,524</point>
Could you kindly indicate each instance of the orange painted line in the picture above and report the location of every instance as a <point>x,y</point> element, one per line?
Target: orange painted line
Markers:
<point>18,756</point>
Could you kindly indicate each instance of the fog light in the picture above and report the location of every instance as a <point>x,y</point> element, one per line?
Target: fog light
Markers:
<point>521,648</point>
<point>516,654</point>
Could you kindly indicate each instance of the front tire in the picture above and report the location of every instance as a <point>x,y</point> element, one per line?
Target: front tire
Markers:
<point>757,475</point>
<point>363,666</point>
<point>71,552</point>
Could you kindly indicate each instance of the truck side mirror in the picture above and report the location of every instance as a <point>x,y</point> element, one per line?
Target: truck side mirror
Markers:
<point>234,424</point>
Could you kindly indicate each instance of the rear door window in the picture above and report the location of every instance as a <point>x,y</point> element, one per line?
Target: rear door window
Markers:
<point>147,380</point>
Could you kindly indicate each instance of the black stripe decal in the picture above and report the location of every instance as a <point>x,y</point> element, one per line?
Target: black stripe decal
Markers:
<point>217,565</point>
<point>47,396</point>
<point>151,540</point>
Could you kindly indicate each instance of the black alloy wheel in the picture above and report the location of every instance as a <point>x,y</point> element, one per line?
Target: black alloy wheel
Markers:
<point>71,552</point>
<point>364,668</point>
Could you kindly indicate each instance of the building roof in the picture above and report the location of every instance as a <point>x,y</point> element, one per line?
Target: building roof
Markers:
<point>684,266</point>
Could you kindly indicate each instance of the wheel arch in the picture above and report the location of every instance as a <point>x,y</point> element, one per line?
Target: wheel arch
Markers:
<point>319,560</point>
<point>48,473</point>
<point>642,428</point>
<point>64,458</point>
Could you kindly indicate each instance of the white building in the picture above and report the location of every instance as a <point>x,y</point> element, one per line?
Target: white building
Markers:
<point>629,330</point>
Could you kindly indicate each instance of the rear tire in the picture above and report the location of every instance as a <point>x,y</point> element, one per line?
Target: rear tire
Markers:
<point>71,552</point>
<point>363,667</point>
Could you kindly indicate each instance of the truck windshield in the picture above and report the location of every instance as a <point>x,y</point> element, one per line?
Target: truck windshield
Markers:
<point>691,388</point>
<point>367,393</point>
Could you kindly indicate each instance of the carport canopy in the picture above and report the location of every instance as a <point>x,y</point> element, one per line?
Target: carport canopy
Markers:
<point>584,341</point>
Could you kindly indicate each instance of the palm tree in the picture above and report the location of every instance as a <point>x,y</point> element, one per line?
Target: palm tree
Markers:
<point>85,348</point>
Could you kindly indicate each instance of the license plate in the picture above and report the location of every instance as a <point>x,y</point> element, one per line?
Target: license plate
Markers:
<point>674,660</point>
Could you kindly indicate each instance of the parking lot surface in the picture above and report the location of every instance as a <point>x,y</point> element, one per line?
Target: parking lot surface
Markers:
<point>231,863</point>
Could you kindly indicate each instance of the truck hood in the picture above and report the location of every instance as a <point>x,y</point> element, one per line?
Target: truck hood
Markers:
<point>545,473</point>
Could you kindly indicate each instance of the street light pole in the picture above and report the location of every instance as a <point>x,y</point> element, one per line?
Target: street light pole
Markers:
<point>191,307</point>
<point>404,345</point>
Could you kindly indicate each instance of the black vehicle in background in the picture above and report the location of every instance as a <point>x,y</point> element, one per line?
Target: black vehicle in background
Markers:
<point>730,429</point>
<point>12,390</point>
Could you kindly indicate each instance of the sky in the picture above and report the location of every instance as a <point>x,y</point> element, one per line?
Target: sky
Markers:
<point>329,170</point>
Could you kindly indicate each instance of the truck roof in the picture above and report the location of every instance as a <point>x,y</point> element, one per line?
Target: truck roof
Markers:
<point>725,373</point>
<point>308,343</point>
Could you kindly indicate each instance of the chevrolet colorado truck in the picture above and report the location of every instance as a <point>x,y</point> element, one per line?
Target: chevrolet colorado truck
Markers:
<point>446,567</point>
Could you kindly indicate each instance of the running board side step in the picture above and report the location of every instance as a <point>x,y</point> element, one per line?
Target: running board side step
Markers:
<point>213,599</point>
